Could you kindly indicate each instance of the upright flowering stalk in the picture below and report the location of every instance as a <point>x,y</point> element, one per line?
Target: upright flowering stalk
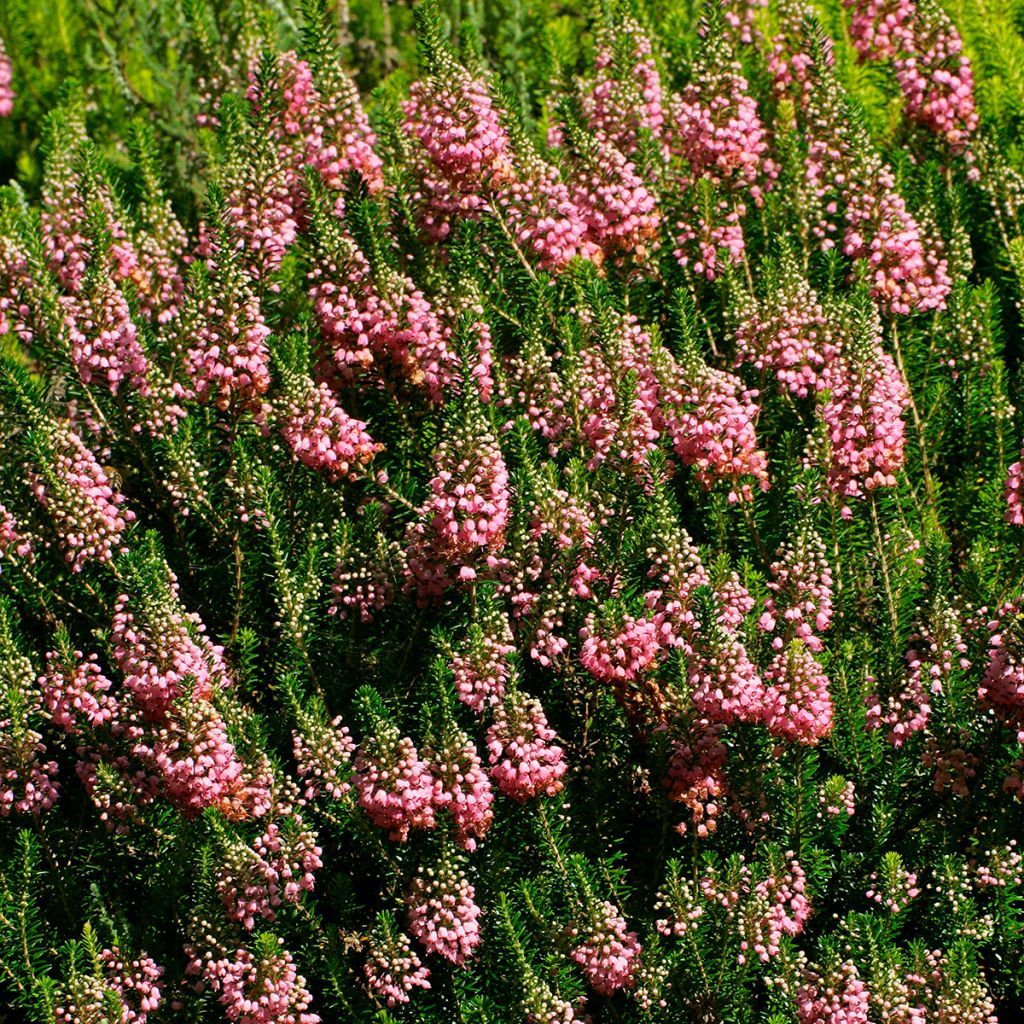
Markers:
<point>464,519</point>
<point>607,952</point>
<point>936,79</point>
<point>714,123</point>
<point>28,782</point>
<point>74,489</point>
<point>163,650</point>
<point>905,273</point>
<point>130,986</point>
<point>276,868</point>
<point>466,152</point>
<point>800,592</point>
<point>1002,687</point>
<point>319,431</point>
<point>338,137</point>
<point>926,51</point>
<point>546,224</point>
<point>797,703</point>
<point>76,203</point>
<point>76,692</point>
<point>103,339</point>
<point>616,392</point>
<point>788,333</point>
<point>264,988</point>
<point>323,751</point>
<point>525,759</point>
<point>442,912</point>
<point>710,418</point>
<point>227,361</point>
<point>392,967</point>
<point>862,411</point>
<point>480,665</point>
<point>625,102</point>
<point>833,996</point>
<point>619,210</point>
<point>696,776</point>
<point>392,784</point>
<point>461,785</point>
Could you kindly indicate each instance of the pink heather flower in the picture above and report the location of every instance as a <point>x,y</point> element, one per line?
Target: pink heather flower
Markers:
<point>863,415</point>
<point>930,660</point>
<point>384,324</point>
<point>621,654</point>
<point>130,987</point>
<point>365,577</point>
<point>619,210</point>
<point>466,514</point>
<point>104,341</point>
<point>936,80</point>
<point>797,705</point>
<point>454,118</point>
<point>777,906</point>
<point>1015,493</point>
<point>343,140</point>
<point>164,652</point>
<point>195,761</point>
<point>879,29</point>
<point>607,953</point>
<point>393,785</point>
<point>525,760</point>
<point>277,868</point>
<point>715,127</point>
<point>710,420</point>
<point>934,75</point>
<point>547,225</point>
<point>64,213</point>
<point>323,436</point>
<point>323,752</point>
<point>953,766</point>
<point>624,102</point>
<point>1002,687</point>
<point>260,990</point>
<point>392,967</point>
<point>705,244</point>
<point>6,77</point>
<point>624,431</point>
<point>895,887</point>
<point>12,542</point>
<point>135,981</point>
<point>443,914</point>
<point>480,666</point>
<point>788,334</point>
<point>228,361</point>
<point>28,783</point>
<point>836,797</point>
<point>800,592</point>
<point>905,272</point>
<point>76,692</point>
<point>86,511</point>
<point>462,786</point>
<point>542,1006</point>
<point>725,684</point>
<point>696,778</point>
<point>838,997</point>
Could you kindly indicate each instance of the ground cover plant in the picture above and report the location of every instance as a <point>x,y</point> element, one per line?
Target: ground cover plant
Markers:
<point>511,511</point>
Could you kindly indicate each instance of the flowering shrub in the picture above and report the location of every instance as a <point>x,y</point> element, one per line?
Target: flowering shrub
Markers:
<point>511,517</point>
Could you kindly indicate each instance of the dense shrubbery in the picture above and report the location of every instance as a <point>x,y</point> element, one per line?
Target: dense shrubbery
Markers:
<point>516,518</point>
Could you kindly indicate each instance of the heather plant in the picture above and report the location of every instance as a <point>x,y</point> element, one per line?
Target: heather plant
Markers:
<point>511,515</point>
